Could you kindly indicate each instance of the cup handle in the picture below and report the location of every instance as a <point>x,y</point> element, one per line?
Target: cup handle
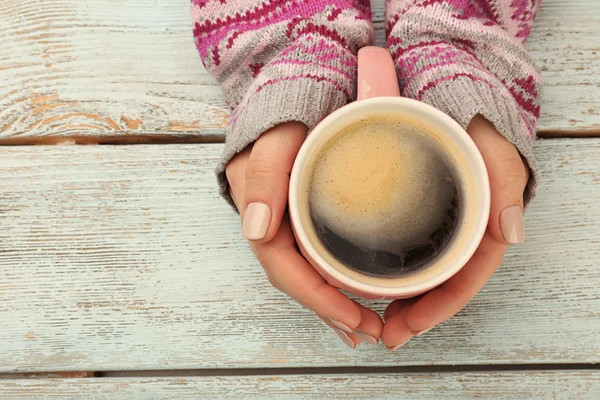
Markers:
<point>376,73</point>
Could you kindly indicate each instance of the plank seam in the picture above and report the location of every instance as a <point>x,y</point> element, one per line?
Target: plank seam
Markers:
<point>216,139</point>
<point>442,369</point>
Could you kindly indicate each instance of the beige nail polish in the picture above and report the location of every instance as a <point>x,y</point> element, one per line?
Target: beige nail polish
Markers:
<point>396,347</point>
<point>366,337</point>
<point>341,325</point>
<point>345,338</point>
<point>256,221</point>
<point>424,331</point>
<point>512,225</point>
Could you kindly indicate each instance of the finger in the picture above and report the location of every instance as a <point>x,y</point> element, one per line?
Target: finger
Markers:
<point>394,308</point>
<point>396,332</point>
<point>370,327</point>
<point>508,178</point>
<point>293,275</point>
<point>267,180</point>
<point>350,339</point>
<point>236,174</point>
<point>446,300</point>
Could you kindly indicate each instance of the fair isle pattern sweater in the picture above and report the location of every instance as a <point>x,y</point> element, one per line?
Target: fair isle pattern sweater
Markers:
<point>295,60</point>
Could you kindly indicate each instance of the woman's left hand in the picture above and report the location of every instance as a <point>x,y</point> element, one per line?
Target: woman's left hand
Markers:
<point>259,175</point>
<point>508,178</point>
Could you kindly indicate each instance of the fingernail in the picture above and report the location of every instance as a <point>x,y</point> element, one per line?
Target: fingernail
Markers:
<point>424,331</point>
<point>511,224</point>
<point>366,337</point>
<point>341,325</point>
<point>396,347</point>
<point>345,338</point>
<point>256,221</point>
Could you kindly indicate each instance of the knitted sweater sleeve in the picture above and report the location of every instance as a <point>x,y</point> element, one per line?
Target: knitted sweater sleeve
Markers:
<point>467,57</point>
<point>279,61</point>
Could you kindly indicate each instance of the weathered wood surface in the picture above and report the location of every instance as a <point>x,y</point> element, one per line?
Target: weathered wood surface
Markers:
<point>128,71</point>
<point>124,258</point>
<point>559,385</point>
<point>565,45</point>
<point>109,69</point>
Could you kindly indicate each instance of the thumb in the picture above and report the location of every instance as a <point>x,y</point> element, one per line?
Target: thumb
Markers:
<point>508,178</point>
<point>267,180</point>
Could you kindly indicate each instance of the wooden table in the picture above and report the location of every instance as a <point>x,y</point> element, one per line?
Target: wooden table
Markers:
<point>121,259</point>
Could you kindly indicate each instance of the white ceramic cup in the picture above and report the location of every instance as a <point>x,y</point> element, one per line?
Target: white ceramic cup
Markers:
<point>378,95</point>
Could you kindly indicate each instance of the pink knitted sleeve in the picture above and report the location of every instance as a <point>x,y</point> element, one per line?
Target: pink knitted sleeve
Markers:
<point>467,57</point>
<point>280,60</point>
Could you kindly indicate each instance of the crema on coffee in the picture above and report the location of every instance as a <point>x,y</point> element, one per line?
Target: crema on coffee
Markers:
<point>384,196</point>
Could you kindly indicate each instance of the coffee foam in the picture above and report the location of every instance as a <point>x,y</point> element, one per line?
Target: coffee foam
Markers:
<point>465,223</point>
<point>383,185</point>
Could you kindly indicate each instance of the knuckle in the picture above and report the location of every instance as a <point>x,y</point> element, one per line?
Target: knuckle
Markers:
<point>263,259</point>
<point>260,171</point>
<point>313,300</point>
<point>270,260</point>
<point>273,282</point>
<point>510,173</point>
<point>460,294</point>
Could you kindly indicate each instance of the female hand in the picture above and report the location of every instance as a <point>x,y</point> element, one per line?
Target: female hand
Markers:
<point>259,182</point>
<point>508,178</point>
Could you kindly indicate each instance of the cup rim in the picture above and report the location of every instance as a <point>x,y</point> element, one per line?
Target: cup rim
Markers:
<point>481,180</point>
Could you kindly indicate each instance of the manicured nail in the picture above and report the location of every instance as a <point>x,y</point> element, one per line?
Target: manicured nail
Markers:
<point>341,325</point>
<point>511,224</point>
<point>424,331</point>
<point>366,337</point>
<point>396,347</point>
<point>256,221</point>
<point>345,338</point>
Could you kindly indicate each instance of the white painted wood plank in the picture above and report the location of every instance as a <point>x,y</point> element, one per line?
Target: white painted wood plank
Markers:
<point>124,257</point>
<point>567,51</point>
<point>556,385</point>
<point>103,68</point>
<point>115,71</point>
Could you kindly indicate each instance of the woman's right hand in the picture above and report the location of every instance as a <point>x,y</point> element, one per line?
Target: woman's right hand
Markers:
<point>259,181</point>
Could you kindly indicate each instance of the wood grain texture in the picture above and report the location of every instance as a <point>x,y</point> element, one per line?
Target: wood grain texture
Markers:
<point>559,385</point>
<point>114,70</point>
<point>565,46</point>
<point>124,258</point>
<point>127,71</point>
<point>47,375</point>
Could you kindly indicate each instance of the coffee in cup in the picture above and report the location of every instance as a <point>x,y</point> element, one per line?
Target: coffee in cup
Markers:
<point>389,197</point>
<point>384,196</point>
